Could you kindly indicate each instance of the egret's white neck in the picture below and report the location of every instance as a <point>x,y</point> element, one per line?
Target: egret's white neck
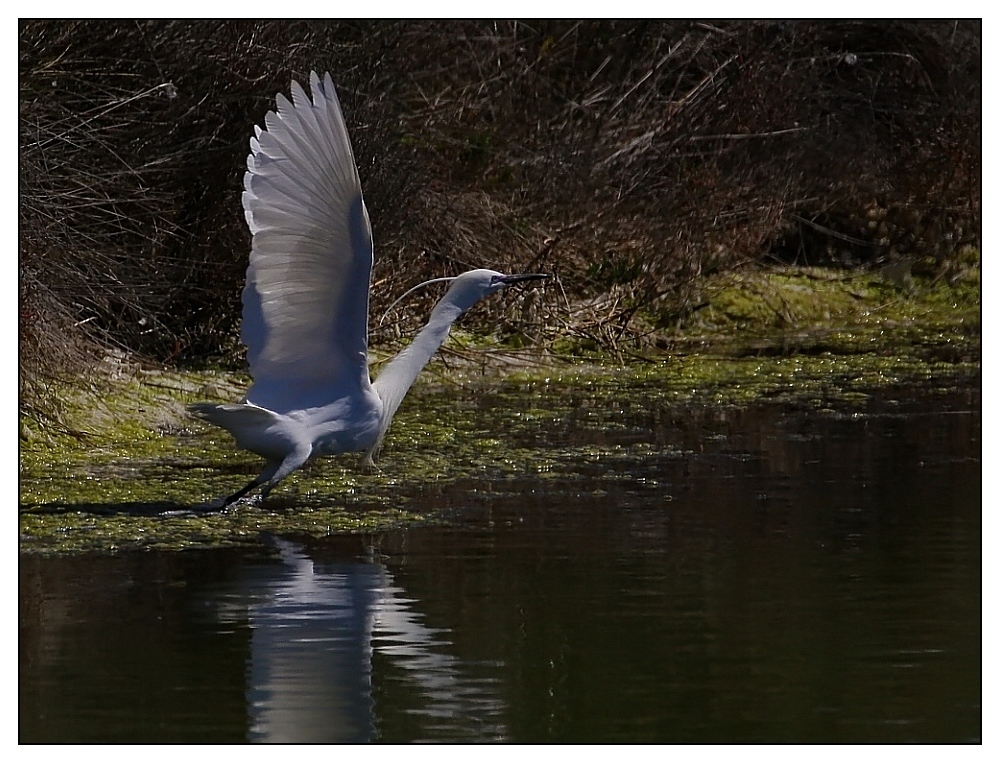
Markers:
<point>396,378</point>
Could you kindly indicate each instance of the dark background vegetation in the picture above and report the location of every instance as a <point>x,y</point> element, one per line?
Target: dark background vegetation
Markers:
<point>628,158</point>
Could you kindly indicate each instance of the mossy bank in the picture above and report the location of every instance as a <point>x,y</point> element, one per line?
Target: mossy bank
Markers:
<point>134,471</point>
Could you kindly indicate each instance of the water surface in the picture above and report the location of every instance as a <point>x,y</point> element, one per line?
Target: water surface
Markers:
<point>674,574</point>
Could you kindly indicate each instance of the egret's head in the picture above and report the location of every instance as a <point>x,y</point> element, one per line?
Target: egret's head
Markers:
<point>469,288</point>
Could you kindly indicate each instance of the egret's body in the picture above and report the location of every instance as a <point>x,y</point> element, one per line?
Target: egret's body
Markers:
<point>305,304</point>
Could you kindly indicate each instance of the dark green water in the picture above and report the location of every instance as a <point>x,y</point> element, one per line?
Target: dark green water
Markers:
<point>758,575</point>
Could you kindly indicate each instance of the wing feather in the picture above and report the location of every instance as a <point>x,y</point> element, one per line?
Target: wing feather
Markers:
<point>305,304</point>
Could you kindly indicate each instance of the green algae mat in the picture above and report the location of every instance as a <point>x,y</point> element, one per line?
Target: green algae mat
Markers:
<point>136,472</point>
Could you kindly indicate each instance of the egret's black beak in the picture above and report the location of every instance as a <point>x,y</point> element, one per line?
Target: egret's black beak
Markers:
<point>508,280</point>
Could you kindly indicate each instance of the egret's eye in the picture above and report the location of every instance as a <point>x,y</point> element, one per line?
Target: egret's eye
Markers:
<point>494,280</point>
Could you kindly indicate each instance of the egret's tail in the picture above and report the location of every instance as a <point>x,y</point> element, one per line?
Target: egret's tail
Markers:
<point>235,418</point>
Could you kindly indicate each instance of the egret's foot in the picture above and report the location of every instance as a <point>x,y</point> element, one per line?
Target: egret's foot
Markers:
<point>217,505</point>
<point>370,467</point>
<point>251,501</point>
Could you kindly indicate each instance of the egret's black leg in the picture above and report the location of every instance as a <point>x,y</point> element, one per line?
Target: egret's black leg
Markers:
<point>265,476</point>
<point>254,483</point>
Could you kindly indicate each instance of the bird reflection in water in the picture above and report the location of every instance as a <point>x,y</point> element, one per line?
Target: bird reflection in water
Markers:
<point>315,627</point>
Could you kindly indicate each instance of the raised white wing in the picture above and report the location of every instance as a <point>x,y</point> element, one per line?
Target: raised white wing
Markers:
<point>305,304</point>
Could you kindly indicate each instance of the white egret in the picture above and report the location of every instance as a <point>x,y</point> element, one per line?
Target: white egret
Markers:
<point>305,303</point>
